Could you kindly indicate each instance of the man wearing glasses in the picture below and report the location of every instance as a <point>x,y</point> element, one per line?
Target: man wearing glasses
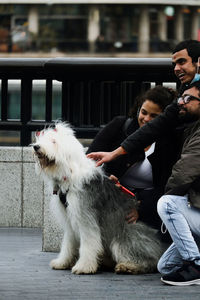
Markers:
<point>179,208</point>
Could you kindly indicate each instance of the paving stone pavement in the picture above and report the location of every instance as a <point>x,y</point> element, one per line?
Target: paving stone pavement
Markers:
<point>25,274</point>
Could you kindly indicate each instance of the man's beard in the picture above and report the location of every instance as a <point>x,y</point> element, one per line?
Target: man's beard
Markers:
<point>185,116</point>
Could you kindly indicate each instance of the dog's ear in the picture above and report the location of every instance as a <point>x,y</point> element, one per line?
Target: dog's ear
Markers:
<point>38,133</point>
<point>64,128</point>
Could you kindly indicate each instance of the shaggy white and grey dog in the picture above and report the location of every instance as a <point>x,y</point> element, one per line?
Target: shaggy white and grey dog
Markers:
<point>93,217</point>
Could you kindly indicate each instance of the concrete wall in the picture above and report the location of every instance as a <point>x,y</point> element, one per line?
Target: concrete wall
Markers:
<point>52,234</point>
<point>24,201</point>
<point>21,192</point>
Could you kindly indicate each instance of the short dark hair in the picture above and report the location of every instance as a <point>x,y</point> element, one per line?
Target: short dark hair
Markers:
<point>160,95</point>
<point>192,47</point>
<point>195,84</point>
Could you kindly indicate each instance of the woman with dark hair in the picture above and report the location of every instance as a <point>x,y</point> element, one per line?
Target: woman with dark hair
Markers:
<point>146,172</point>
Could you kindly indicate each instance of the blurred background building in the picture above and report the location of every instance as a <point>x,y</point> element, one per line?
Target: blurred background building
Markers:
<point>96,27</point>
<point>102,28</point>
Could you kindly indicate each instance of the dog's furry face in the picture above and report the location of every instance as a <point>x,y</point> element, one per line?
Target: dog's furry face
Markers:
<point>45,147</point>
<point>50,148</point>
<point>59,154</point>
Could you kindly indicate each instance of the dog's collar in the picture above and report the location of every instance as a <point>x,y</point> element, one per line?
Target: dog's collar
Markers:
<point>62,197</point>
<point>56,187</point>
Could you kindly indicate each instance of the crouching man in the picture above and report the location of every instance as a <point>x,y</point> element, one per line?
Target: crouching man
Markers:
<point>179,208</point>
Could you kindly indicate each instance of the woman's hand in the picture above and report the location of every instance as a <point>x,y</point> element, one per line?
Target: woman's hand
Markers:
<point>133,216</point>
<point>113,178</point>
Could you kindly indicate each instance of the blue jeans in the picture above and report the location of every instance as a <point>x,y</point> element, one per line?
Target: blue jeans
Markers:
<point>183,224</point>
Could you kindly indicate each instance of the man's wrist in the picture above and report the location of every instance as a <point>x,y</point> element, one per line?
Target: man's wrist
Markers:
<point>119,151</point>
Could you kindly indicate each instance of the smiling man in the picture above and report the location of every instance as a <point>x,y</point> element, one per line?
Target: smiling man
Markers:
<point>185,60</point>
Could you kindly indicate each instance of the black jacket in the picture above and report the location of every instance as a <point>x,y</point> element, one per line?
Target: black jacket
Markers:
<point>185,178</point>
<point>162,160</point>
<point>153,130</point>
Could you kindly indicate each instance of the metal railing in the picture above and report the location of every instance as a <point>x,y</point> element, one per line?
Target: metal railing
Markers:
<point>94,90</point>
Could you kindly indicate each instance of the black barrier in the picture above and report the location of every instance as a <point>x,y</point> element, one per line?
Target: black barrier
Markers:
<point>94,90</point>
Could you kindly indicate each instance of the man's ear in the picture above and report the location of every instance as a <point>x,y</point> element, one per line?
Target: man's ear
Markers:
<point>198,65</point>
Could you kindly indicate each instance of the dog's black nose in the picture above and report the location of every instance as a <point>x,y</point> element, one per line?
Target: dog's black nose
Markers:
<point>36,148</point>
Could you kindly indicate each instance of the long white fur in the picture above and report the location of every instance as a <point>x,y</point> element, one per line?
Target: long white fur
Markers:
<point>86,240</point>
<point>76,167</point>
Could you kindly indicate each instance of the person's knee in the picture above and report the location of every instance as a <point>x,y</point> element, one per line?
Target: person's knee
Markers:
<point>165,268</point>
<point>162,205</point>
<point>160,266</point>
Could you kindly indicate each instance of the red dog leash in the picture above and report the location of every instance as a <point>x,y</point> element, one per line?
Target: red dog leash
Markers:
<point>125,190</point>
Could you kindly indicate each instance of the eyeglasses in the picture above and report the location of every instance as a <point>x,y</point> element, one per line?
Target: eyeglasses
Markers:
<point>187,98</point>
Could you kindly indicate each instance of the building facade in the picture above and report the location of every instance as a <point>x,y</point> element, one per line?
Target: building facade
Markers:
<point>97,26</point>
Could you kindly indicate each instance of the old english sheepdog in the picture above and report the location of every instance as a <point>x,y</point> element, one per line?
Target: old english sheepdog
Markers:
<point>93,211</point>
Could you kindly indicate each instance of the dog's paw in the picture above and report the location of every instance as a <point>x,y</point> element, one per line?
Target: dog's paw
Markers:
<point>128,268</point>
<point>84,268</point>
<point>58,264</point>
